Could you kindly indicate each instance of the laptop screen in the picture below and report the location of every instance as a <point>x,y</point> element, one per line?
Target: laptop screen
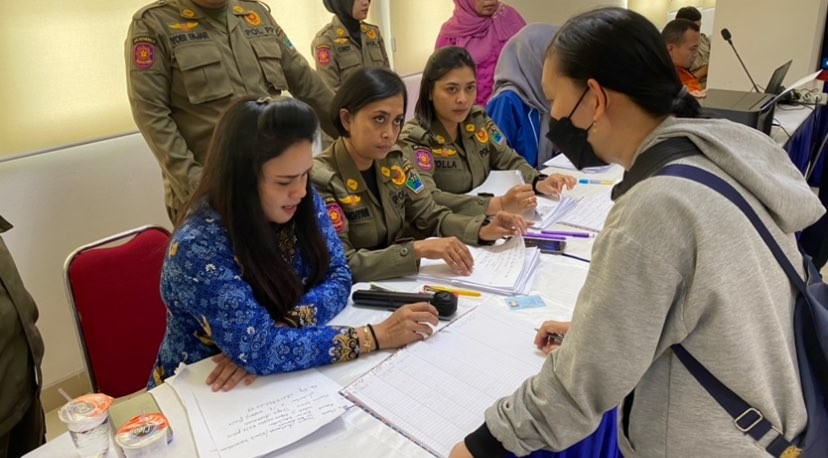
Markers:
<point>775,84</point>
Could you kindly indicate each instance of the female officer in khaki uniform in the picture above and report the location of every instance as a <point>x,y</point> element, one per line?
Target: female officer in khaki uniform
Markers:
<point>347,43</point>
<point>372,192</point>
<point>455,144</point>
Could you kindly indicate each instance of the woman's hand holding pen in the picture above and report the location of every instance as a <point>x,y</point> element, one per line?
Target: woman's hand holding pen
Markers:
<point>450,249</point>
<point>550,335</point>
<point>555,183</point>
<point>504,224</point>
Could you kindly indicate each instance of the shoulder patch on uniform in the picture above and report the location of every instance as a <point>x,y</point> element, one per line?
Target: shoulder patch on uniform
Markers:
<point>143,54</point>
<point>424,159</point>
<point>414,182</point>
<point>482,136</point>
<point>337,217</point>
<point>494,132</point>
<point>253,18</point>
<point>323,55</point>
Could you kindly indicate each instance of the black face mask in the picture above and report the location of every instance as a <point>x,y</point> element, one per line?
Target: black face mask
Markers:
<point>572,141</point>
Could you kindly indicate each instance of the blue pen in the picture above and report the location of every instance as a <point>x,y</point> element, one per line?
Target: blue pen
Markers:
<point>584,235</point>
<point>594,181</point>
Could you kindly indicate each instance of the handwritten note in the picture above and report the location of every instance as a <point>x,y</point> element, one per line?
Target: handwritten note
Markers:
<point>271,413</point>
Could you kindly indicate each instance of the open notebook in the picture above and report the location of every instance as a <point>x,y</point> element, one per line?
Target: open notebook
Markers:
<point>435,392</point>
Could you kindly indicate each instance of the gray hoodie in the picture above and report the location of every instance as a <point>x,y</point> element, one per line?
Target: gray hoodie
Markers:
<point>676,263</point>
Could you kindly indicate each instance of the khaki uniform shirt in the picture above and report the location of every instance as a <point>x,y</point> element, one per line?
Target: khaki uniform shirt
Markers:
<point>451,169</point>
<point>703,56</point>
<point>370,226</point>
<point>338,56</point>
<point>183,68</point>
<point>21,347</point>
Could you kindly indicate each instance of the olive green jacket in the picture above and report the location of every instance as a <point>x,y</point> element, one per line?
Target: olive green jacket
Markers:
<point>184,68</point>
<point>371,227</point>
<point>21,347</point>
<point>338,56</point>
<point>451,169</point>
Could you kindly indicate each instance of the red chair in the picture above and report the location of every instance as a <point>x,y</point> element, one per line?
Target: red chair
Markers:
<point>113,285</point>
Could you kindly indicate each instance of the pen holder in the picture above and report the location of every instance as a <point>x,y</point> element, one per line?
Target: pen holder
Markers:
<point>443,301</point>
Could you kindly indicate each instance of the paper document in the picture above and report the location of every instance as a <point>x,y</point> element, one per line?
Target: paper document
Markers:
<point>272,412</point>
<point>435,391</point>
<point>502,269</point>
<point>560,161</point>
<point>498,183</point>
<point>591,211</point>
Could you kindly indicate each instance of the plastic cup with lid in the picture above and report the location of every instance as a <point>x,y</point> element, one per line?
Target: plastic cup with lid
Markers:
<point>145,436</point>
<point>86,419</point>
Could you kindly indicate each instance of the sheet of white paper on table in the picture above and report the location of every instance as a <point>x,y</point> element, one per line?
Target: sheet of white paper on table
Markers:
<point>272,412</point>
<point>435,391</point>
<point>560,161</point>
<point>498,182</point>
<point>591,211</point>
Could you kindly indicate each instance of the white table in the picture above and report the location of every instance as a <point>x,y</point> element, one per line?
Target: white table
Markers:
<point>356,433</point>
<point>790,118</point>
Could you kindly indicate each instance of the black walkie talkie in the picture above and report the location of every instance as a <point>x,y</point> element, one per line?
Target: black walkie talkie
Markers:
<point>443,301</point>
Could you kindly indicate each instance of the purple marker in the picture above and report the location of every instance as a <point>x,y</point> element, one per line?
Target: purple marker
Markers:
<point>537,236</point>
<point>584,235</point>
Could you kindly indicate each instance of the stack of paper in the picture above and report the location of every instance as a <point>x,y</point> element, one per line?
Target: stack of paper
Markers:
<point>502,269</point>
<point>591,211</point>
<point>549,211</point>
<point>560,161</point>
<point>254,420</point>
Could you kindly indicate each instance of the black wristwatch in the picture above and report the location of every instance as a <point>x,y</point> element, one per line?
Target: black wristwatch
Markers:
<point>540,177</point>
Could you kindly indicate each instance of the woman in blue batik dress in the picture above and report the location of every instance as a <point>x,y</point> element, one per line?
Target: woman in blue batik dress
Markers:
<point>255,269</point>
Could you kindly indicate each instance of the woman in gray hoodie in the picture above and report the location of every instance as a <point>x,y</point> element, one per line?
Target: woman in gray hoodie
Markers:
<point>676,263</point>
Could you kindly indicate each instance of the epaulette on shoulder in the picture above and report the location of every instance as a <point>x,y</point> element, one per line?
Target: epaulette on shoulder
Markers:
<point>264,5</point>
<point>322,173</point>
<point>140,13</point>
<point>415,133</point>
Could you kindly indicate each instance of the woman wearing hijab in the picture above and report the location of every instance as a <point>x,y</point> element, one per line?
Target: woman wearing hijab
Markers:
<point>518,105</point>
<point>347,43</point>
<point>482,27</point>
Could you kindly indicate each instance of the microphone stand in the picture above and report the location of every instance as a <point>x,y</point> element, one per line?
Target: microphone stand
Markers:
<point>755,87</point>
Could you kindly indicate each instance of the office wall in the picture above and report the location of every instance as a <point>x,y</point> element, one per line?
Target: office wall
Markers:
<point>415,24</point>
<point>766,33</point>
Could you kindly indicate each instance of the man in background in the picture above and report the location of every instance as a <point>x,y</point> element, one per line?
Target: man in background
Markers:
<point>682,39</point>
<point>22,426</point>
<point>187,59</point>
<point>700,65</point>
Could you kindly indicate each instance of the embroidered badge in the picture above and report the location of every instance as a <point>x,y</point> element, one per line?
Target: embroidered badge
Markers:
<point>440,139</point>
<point>371,34</point>
<point>397,175</point>
<point>323,55</point>
<point>424,159</point>
<point>287,43</point>
<point>340,31</point>
<point>341,41</point>
<point>469,127</point>
<point>445,152</point>
<point>414,182</point>
<point>238,10</point>
<point>253,18</point>
<point>482,136</point>
<point>143,55</point>
<point>184,26</point>
<point>351,199</point>
<point>494,132</point>
<point>188,13</point>
<point>385,171</point>
<point>337,217</point>
<point>352,184</point>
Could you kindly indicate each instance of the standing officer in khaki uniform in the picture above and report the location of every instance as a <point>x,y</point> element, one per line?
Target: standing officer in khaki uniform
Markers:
<point>373,193</point>
<point>455,144</point>
<point>186,59</point>
<point>22,426</point>
<point>347,43</point>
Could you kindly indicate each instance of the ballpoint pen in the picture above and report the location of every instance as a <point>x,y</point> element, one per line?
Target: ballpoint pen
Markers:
<point>595,181</point>
<point>584,235</point>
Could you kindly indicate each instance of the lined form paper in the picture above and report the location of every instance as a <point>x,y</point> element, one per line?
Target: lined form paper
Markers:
<point>435,392</point>
<point>591,211</point>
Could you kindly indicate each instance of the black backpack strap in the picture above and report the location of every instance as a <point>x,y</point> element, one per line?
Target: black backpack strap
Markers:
<point>747,419</point>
